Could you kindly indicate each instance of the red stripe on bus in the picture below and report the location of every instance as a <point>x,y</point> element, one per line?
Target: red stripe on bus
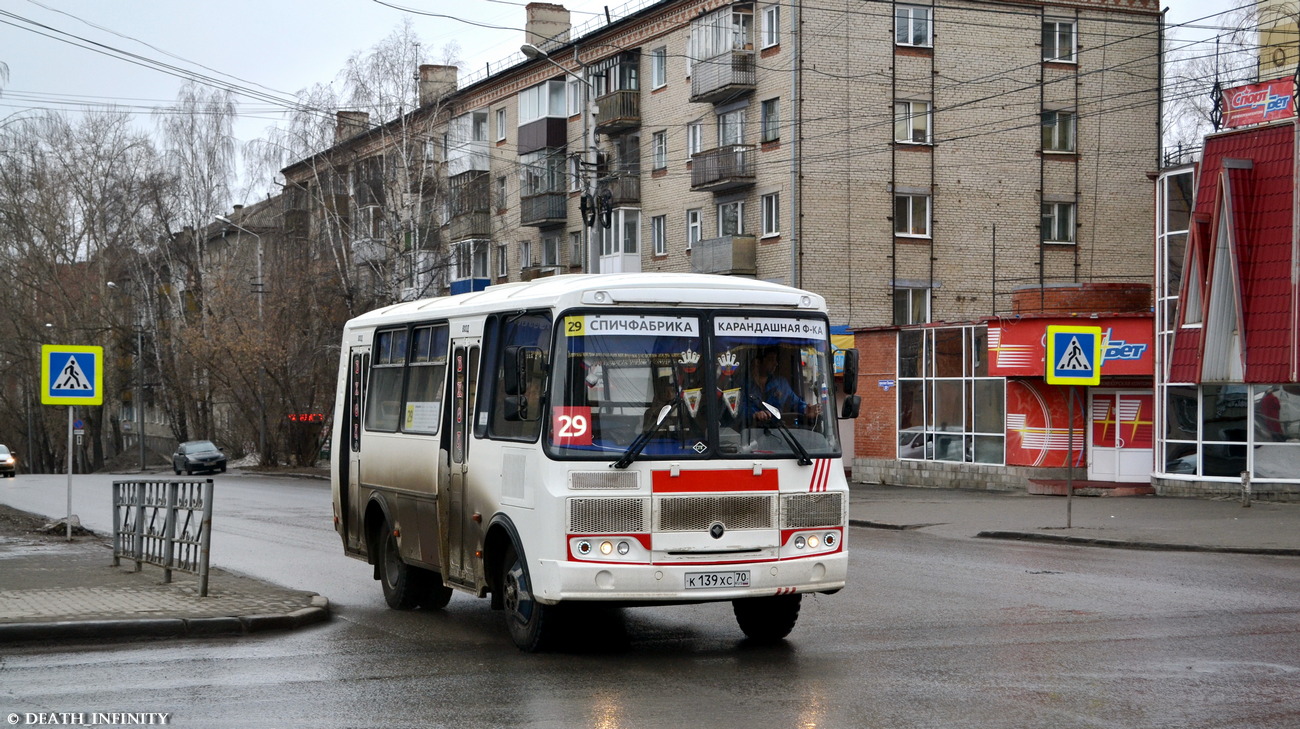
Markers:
<point>663,482</point>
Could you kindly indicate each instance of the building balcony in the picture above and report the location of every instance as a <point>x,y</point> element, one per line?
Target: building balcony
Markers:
<point>468,156</point>
<point>724,168</point>
<point>544,210</point>
<point>731,255</point>
<point>618,111</point>
<point>468,225</point>
<point>369,250</point>
<point>624,187</point>
<point>724,76</point>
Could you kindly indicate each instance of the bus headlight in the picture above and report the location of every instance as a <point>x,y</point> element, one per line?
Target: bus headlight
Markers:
<point>624,548</point>
<point>798,542</point>
<point>830,539</point>
<point>584,547</point>
<point>813,541</point>
<point>606,547</point>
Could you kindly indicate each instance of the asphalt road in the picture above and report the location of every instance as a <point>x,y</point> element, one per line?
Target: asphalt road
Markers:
<point>931,632</point>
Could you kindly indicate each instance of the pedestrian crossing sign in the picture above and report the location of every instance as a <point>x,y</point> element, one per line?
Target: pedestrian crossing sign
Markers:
<point>1073,355</point>
<point>72,375</point>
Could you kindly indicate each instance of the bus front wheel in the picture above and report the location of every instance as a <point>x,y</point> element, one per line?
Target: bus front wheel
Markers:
<point>529,621</point>
<point>767,619</point>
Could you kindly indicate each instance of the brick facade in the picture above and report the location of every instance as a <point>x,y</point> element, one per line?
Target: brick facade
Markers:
<point>835,168</point>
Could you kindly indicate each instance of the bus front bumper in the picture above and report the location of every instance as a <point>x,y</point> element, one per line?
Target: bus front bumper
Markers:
<point>557,581</point>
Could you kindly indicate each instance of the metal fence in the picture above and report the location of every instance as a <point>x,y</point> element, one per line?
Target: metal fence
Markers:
<point>164,523</point>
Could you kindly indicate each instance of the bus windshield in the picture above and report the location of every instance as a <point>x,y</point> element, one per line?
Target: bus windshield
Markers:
<point>721,377</point>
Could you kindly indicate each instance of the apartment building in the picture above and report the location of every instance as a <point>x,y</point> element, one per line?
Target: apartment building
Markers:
<point>915,163</point>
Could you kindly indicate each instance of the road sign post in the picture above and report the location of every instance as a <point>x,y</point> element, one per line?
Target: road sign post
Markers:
<point>72,376</point>
<point>1073,358</point>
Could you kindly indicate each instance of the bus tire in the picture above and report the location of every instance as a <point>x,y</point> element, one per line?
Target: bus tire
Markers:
<point>433,594</point>
<point>529,621</point>
<point>767,619</point>
<point>401,582</point>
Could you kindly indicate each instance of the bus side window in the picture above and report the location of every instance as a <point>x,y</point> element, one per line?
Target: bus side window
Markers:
<point>521,369</point>
<point>384,397</point>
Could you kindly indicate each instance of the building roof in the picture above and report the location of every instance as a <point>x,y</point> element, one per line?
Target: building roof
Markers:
<point>1242,255</point>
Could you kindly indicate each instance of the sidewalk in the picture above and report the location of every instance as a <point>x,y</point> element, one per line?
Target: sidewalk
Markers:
<point>1134,522</point>
<point>55,590</point>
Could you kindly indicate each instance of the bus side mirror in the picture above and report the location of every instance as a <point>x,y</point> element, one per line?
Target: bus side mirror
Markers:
<point>850,371</point>
<point>516,408</point>
<point>520,366</point>
<point>852,405</point>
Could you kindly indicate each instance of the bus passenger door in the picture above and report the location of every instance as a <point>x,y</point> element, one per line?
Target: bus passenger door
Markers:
<point>460,535</point>
<point>358,366</point>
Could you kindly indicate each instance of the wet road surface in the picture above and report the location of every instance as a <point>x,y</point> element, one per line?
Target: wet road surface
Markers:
<point>931,632</point>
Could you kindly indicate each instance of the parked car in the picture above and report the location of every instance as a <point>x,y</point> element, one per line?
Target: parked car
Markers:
<point>198,455</point>
<point>8,464</point>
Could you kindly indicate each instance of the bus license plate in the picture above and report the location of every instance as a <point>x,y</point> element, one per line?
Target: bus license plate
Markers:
<point>706,580</point>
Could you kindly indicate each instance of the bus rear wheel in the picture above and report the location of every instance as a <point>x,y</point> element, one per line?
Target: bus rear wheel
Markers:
<point>433,595</point>
<point>401,582</point>
<point>767,619</point>
<point>530,622</point>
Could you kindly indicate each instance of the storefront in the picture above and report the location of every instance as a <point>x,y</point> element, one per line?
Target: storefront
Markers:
<point>968,405</point>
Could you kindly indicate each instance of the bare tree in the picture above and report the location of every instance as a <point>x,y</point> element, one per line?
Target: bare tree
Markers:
<point>1196,71</point>
<point>70,197</point>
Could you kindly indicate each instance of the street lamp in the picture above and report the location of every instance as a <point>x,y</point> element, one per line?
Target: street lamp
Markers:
<point>261,323</point>
<point>592,264</point>
<point>138,326</point>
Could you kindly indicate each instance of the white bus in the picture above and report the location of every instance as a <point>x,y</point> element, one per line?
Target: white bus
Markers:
<point>629,439</point>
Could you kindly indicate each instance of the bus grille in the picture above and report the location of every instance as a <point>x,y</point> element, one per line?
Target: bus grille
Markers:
<point>698,513</point>
<point>608,516</point>
<point>603,480</point>
<point>803,511</point>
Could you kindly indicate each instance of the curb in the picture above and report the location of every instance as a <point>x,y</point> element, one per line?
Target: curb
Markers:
<point>1123,544</point>
<point>96,630</point>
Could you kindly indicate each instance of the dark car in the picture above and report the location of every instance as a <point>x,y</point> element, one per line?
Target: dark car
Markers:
<point>198,455</point>
<point>8,464</point>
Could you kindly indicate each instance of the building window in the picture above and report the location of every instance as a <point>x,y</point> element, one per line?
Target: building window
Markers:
<point>912,122</point>
<point>1058,222</point>
<point>575,249</point>
<point>912,25</point>
<point>912,215</point>
<point>731,128</point>
<point>771,214</point>
<point>525,254</point>
<point>501,125</point>
<point>694,138</point>
<point>949,409</point>
<point>503,260</point>
<point>658,236</point>
<point>771,33</point>
<point>575,97</point>
<point>1058,131</point>
<point>911,306</point>
<point>479,128</point>
<point>659,150</point>
<point>501,193</point>
<point>694,228</point>
<point>658,67</point>
<point>551,249</point>
<point>575,174</point>
<point>1059,41</point>
<point>771,116</point>
<point>731,218</point>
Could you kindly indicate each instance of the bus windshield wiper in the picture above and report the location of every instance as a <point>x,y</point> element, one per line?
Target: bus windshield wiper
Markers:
<point>643,439</point>
<point>804,458</point>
